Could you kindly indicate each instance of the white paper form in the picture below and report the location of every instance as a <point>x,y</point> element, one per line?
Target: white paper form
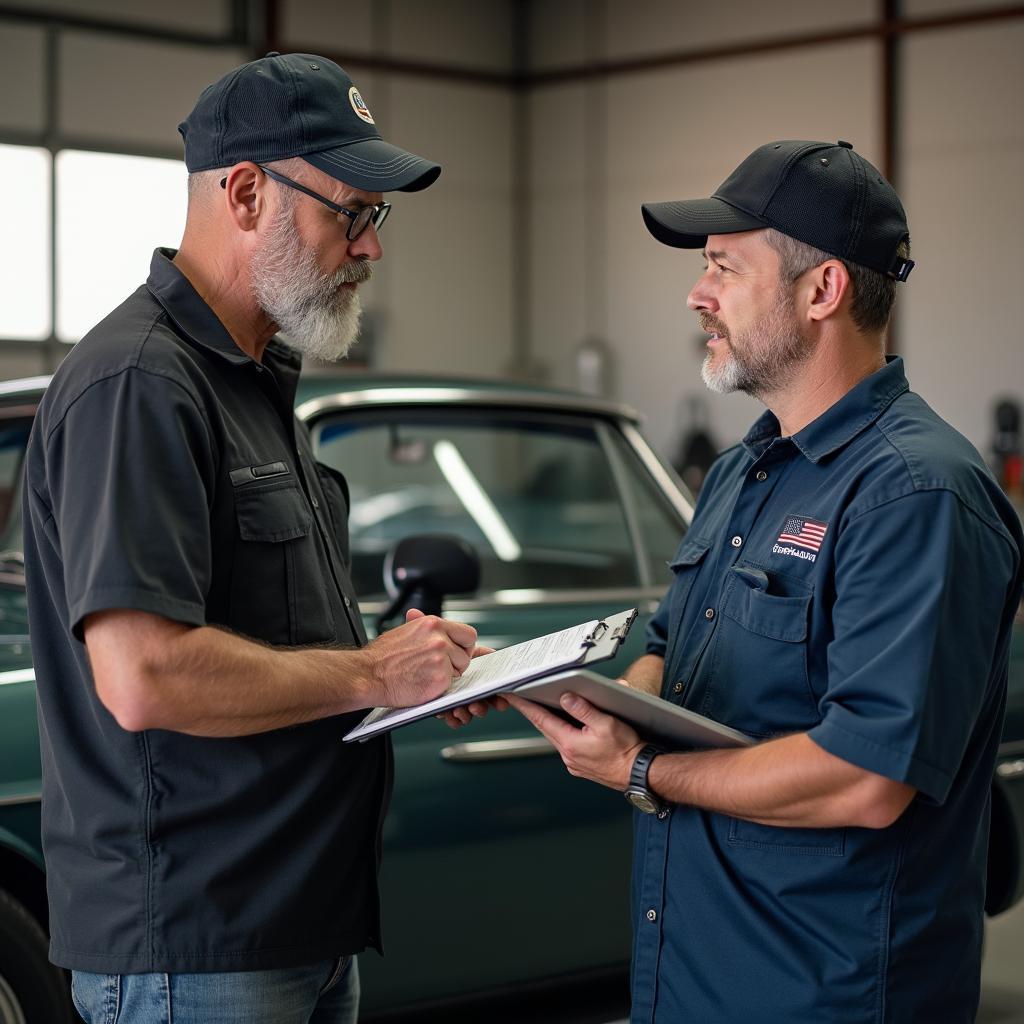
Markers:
<point>491,673</point>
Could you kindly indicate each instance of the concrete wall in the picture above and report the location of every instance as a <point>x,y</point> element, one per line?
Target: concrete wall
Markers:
<point>600,147</point>
<point>962,152</point>
<point>531,243</point>
<point>442,297</point>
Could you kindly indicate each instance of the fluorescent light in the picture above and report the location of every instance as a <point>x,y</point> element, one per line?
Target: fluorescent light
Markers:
<point>476,502</point>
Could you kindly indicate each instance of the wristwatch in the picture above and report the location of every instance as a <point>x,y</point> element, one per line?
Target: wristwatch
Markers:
<point>638,793</point>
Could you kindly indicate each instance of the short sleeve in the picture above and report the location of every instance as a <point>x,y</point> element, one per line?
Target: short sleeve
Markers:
<point>656,634</point>
<point>130,474</point>
<point>922,588</point>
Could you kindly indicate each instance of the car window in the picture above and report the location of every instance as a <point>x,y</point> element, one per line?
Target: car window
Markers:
<point>13,440</point>
<point>540,497</point>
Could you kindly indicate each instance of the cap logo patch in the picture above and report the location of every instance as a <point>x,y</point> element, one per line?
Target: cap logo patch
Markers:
<point>361,109</point>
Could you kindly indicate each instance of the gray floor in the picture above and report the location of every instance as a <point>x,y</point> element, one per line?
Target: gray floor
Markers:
<point>1002,974</point>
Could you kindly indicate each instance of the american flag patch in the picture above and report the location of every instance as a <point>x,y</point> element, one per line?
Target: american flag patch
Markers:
<point>804,533</point>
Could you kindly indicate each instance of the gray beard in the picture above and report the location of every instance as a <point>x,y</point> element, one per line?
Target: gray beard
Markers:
<point>765,359</point>
<point>315,316</point>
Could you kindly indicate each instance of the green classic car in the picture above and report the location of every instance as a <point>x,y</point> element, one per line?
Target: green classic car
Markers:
<point>573,516</point>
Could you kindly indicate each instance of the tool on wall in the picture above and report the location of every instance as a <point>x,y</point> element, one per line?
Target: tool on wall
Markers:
<point>695,450</point>
<point>1007,456</point>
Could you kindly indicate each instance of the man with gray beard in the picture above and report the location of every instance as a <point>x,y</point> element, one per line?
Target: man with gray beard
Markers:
<point>211,844</point>
<point>845,596</point>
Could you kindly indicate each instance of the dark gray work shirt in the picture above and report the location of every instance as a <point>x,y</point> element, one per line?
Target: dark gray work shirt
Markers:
<point>166,472</point>
<point>856,582</point>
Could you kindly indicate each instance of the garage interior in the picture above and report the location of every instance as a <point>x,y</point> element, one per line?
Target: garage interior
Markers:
<point>553,120</point>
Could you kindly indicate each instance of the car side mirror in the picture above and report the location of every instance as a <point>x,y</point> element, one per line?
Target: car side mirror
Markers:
<point>420,571</point>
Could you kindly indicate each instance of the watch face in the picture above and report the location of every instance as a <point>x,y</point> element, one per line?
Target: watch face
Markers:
<point>641,801</point>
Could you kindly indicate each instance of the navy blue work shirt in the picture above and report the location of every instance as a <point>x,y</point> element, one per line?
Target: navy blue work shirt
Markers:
<point>856,582</point>
<point>166,472</point>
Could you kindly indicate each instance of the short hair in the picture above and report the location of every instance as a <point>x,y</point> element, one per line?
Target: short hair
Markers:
<point>204,183</point>
<point>874,293</point>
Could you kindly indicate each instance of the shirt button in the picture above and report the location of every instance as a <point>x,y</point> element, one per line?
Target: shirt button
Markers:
<point>762,475</point>
<point>662,815</point>
<point>709,614</point>
<point>678,688</point>
<point>736,541</point>
<point>348,601</point>
<point>652,915</point>
<point>316,504</point>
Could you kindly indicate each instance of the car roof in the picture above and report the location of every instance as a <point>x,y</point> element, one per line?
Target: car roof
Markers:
<point>319,392</point>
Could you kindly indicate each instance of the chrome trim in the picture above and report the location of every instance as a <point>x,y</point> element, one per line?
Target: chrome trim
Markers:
<point>14,387</point>
<point>370,397</point>
<point>24,798</point>
<point>627,499</point>
<point>674,489</point>
<point>506,598</point>
<point>496,750</point>
<point>18,675</point>
<point>1011,769</point>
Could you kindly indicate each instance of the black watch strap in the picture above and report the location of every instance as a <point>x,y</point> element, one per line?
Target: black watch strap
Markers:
<point>641,766</point>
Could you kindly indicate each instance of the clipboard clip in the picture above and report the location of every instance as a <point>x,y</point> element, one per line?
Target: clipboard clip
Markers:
<point>596,634</point>
<point>623,628</point>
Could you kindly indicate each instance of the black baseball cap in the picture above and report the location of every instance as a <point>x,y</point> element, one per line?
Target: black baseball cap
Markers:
<point>298,104</point>
<point>821,193</point>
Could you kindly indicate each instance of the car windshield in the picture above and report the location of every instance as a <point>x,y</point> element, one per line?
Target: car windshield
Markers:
<point>548,502</point>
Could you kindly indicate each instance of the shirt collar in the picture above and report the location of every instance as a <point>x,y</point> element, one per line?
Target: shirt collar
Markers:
<point>841,422</point>
<point>200,325</point>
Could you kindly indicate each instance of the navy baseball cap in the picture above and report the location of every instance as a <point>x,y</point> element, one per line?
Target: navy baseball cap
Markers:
<point>821,193</point>
<point>298,104</point>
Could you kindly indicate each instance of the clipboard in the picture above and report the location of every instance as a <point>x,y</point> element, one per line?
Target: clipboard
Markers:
<point>592,642</point>
<point>655,719</point>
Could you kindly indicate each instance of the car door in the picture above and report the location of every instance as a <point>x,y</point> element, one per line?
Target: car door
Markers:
<point>499,867</point>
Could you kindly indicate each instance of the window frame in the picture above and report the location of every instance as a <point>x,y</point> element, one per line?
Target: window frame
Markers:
<point>604,417</point>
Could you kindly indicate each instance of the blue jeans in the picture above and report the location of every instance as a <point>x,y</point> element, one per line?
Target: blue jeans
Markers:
<point>323,993</point>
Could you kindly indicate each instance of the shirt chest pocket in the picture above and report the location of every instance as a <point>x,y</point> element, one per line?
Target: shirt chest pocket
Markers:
<point>273,513</point>
<point>758,680</point>
<point>278,590</point>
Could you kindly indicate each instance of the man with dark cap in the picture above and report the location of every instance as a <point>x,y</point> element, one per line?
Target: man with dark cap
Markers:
<point>211,844</point>
<point>845,596</point>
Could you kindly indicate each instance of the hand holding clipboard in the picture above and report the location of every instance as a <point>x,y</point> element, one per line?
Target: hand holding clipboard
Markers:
<point>507,669</point>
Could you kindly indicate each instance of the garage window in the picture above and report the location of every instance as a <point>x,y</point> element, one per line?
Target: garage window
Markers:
<point>111,212</point>
<point>25,258</point>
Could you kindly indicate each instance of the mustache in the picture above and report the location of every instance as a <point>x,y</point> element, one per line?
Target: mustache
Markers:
<point>355,272</point>
<point>710,325</point>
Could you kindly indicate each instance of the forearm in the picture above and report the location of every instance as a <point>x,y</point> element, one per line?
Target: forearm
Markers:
<point>154,673</point>
<point>646,673</point>
<point>209,682</point>
<point>789,782</point>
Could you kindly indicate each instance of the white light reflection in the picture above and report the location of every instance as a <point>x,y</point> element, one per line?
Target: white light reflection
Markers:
<point>476,502</point>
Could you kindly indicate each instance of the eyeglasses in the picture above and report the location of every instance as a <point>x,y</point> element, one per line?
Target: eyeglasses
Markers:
<point>359,220</point>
